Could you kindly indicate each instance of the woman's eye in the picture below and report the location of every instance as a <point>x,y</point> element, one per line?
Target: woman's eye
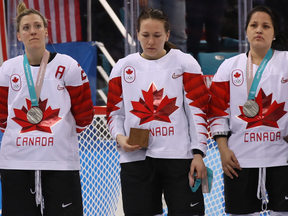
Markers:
<point>25,28</point>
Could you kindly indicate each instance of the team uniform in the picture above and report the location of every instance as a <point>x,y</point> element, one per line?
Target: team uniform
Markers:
<point>256,142</point>
<point>168,97</point>
<point>65,101</point>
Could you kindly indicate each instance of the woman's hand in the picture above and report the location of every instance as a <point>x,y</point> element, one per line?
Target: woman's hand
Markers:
<point>198,167</point>
<point>228,158</point>
<point>123,141</point>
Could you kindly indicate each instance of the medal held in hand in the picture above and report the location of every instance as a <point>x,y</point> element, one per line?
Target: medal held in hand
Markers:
<point>250,109</point>
<point>34,115</point>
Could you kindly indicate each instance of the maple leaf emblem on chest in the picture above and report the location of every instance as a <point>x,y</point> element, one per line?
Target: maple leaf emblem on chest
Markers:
<point>50,118</point>
<point>269,113</point>
<point>154,106</point>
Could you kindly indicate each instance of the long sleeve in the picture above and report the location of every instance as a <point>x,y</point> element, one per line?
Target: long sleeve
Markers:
<point>195,103</point>
<point>219,104</point>
<point>80,94</point>
<point>115,105</point>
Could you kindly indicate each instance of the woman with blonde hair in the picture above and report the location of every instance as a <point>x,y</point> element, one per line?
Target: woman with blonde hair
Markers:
<point>45,101</point>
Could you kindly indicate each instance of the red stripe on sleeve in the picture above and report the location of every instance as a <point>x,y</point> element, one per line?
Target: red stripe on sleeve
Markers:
<point>220,98</point>
<point>196,90</point>
<point>81,104</point>
<point>3,106</point>
<point>114,95</point>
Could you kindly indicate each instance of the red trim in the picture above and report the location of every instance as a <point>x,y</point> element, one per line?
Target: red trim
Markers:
<point>99,110</point>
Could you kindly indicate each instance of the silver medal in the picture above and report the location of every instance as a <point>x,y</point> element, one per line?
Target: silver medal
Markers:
<point>34,115</point>
<point>250,109</point>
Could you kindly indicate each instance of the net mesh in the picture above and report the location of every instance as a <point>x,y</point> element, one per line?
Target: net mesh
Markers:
<point>100,170</point>
<point>100,173</point>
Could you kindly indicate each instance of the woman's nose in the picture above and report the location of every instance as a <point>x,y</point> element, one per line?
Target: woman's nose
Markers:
<point>151,41</point>
<point>33,31</point>
<point>259,30</point>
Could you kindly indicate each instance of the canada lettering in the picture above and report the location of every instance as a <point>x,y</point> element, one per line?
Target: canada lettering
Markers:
<point>162,131</point>
<point>262,136</point>
<point>34,141</point>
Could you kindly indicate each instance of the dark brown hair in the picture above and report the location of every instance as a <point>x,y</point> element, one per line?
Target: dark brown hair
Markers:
<point>151,13</point>
<point>280,42</point>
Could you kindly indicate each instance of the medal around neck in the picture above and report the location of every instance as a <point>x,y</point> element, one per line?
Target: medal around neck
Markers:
<point>250,109</point>
<point>34,115</point>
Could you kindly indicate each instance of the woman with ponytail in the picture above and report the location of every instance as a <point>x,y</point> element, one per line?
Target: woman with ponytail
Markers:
<point>162,92</point>
<point>45,100</point>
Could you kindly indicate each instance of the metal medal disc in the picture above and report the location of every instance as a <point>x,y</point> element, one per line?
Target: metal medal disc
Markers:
<point>34,115</point>
<point>250,108</point>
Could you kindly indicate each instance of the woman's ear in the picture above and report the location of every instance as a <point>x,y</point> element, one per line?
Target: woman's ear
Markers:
<point>18,37</point>
<point>167,35</point>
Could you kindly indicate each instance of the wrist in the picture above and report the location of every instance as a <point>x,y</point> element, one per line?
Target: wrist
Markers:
<point>197,152</point>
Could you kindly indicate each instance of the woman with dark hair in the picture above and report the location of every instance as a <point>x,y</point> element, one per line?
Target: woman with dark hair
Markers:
<point>161,91</point>
<point>248,119</point>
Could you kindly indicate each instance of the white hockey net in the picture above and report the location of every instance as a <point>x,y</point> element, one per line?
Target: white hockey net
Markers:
<point>100,169</point>
<point>100,172</point>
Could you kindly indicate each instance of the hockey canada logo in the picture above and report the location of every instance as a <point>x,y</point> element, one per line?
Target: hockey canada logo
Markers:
<point>237,77</point>
<point>154,106</point>
<point>269,112</point>
<point>129,74</point>
<point>15,81</point>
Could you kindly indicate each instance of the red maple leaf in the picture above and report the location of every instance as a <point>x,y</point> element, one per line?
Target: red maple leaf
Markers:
<point>15,80</point>
<point>129,71</point>
<point>154,106</point>
<point>236,75</point>
<point>50,117</point>
<point>269,113</point>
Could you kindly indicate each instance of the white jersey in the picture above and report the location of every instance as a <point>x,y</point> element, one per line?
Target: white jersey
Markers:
<point>65,101</point>
<point>167,96</point>
<point>257,141</point>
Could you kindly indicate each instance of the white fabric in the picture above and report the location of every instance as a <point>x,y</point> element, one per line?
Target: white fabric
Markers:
<point>256,143</point>
<point>168,139</point>
<point>261,190</point>
<point>38,190</point>
<point>272,213</point>
<point>31,148</point>
<point>252,214</point>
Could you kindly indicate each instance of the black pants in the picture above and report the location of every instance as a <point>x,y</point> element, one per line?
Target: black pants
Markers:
<point>61,191</point>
